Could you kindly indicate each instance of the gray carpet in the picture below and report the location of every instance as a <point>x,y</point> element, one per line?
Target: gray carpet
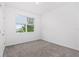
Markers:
<point>39,48</point>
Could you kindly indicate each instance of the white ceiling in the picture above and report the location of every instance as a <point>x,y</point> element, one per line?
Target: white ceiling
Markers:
<point>40,8</point>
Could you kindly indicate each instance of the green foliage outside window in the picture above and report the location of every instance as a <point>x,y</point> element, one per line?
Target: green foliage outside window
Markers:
<point>30,28</point>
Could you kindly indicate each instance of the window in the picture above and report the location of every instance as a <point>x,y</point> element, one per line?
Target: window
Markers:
<point>24,24</point>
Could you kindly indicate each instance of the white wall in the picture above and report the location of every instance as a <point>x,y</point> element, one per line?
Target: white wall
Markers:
<point>16,38</point>
<point>61,26</point>
<point>2,30</point>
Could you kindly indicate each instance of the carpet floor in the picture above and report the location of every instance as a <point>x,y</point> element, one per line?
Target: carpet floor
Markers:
<point>39,48</point>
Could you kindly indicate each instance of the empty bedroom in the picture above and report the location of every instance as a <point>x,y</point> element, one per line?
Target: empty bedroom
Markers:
<point>43,29</point>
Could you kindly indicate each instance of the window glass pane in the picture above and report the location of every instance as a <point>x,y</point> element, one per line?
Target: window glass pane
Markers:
<point>20,27</point>
<point>21,24</point>
<point>30,24</point>
<point>21,19</point>
<point>30,28</point>
<point>30,20</point>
